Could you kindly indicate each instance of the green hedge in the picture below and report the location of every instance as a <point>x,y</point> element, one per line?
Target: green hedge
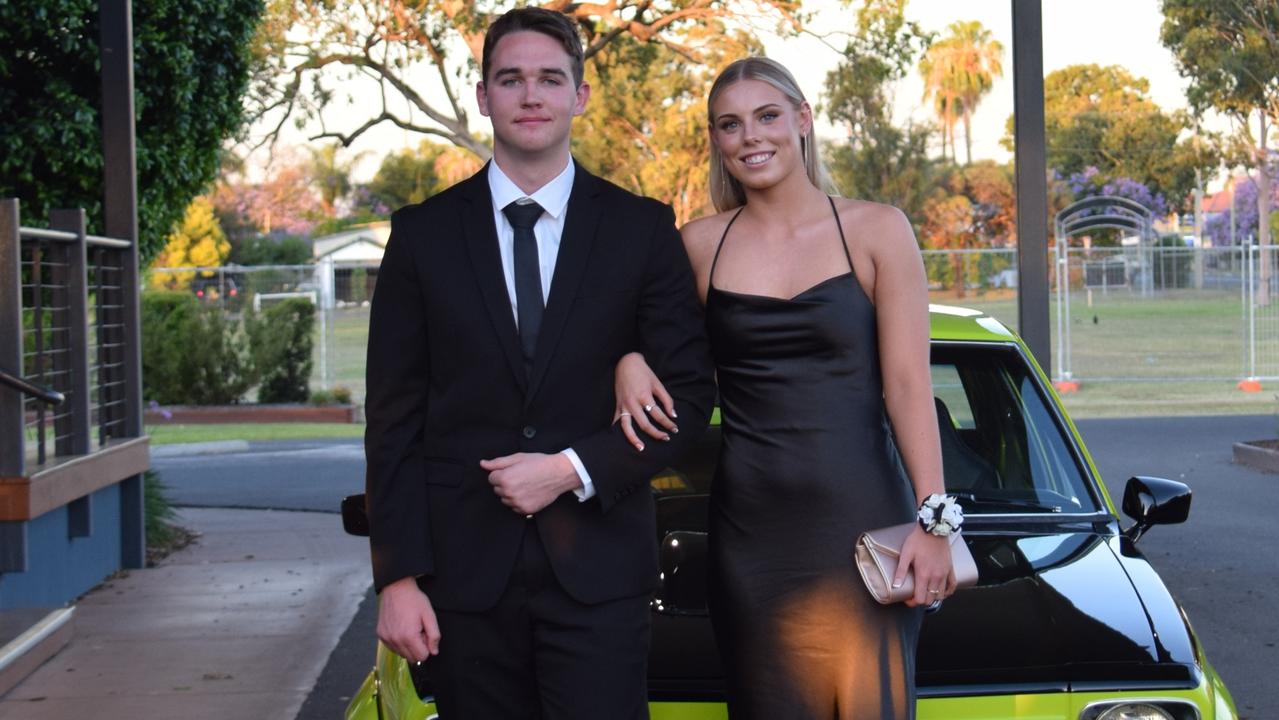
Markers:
<point>281,341</point>
<point>198,355</point>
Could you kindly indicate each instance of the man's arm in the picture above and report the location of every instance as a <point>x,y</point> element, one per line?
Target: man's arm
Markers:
<point>398,372</point>
<point>672,338</point>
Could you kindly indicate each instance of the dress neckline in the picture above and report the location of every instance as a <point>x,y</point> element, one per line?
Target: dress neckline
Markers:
<point>710,280</point>
<point>776,299</point>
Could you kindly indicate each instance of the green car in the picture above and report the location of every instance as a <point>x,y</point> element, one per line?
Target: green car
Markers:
<point>1067,622</point>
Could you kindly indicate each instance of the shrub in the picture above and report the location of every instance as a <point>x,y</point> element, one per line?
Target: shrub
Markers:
<point>281,341</point>
<point>339,395</point>
<point>190,353</point>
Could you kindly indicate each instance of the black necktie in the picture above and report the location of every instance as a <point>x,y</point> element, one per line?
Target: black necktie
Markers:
<point>528,276</point>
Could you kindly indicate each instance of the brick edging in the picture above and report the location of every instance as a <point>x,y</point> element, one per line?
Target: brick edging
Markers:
<point>249,413</point>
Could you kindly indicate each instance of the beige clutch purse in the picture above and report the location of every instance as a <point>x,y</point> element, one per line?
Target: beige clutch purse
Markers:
<point>877,554</point>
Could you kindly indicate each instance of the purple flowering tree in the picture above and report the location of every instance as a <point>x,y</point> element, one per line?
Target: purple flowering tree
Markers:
<point>1217,226</point>
<point>1091,183</point>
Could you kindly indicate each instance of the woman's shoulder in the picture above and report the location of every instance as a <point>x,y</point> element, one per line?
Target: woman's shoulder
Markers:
<point>701,236</point>
<point>878,225</point>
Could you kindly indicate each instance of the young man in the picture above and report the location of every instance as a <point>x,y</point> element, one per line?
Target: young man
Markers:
<point>511,527</point>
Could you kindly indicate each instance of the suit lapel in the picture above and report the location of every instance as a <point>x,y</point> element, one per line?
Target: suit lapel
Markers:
<point>580,224</point>
<point>486,262</point>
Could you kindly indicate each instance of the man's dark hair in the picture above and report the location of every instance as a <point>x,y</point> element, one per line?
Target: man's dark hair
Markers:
<point>554,25</point>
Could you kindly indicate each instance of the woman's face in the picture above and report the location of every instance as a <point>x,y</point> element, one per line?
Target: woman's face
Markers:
<point>757,130</point>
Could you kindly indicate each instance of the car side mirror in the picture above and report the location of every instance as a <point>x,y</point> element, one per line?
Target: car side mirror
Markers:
<point>1154,501</point>
<point>355,519</point>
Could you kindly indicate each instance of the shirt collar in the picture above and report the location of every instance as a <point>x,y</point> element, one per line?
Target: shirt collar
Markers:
<point>553,196</point>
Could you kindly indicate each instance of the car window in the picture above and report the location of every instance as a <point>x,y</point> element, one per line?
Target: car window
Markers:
<point>1008,453</point>
<point>1003,449</point>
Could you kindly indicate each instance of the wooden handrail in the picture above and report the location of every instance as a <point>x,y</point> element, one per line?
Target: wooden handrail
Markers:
<point>48,396</point>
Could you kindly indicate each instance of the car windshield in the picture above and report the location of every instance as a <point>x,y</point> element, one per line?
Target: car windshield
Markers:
<point>1003,450</point>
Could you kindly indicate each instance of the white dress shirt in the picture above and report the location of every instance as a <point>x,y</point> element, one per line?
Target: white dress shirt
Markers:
<point>553,197</point>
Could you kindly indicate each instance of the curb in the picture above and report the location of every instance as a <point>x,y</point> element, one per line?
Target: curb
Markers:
<point>219,447</point>
<point>1259,458</point>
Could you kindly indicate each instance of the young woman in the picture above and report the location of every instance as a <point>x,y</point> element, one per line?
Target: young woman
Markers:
<point>817,313</point>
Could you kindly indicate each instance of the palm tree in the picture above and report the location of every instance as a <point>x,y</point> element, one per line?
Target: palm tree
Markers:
<point>331,176</point>
<point>958,72</point>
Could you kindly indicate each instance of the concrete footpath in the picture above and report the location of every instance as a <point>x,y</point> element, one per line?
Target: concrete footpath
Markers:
<point>238,625</point>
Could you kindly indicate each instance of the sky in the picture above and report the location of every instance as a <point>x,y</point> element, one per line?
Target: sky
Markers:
<point>1105,32</point>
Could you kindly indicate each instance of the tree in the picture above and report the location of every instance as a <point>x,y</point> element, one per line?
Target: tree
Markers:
<point>191,68</point>
<point>387,42</point>
<point>285,202</point>
<point>959,70</point>
<point>1102,117</point>
<point>973,207</point>
<point>879,160</point>
<point>197,242</point>
<point>882,48</point>
<point>648,132</point>
<point>408,175</point>
<point>1229,50</point>
<point>331,176</point>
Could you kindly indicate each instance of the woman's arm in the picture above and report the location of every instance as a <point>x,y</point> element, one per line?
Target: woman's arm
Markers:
<point>901,310</point>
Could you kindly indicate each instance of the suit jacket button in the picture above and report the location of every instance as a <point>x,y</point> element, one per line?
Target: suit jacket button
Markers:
<point>530,432</point>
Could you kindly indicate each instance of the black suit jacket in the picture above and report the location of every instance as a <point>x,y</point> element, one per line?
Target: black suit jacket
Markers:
<point>447,387</point>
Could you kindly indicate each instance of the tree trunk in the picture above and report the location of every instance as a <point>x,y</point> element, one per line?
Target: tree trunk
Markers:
<point>968,137</point>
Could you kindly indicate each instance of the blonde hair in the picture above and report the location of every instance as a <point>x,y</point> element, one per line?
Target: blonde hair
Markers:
<point>726,191</point>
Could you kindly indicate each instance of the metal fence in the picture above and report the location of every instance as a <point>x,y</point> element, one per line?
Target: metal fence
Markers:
<point>340,292</point>
<point>1123,314</point>
<point>1132,314</point>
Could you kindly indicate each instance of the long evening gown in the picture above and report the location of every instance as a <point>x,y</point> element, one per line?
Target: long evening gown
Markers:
<point>808,462</point>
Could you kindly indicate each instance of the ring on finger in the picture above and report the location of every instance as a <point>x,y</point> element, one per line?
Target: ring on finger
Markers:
<point>648,408</point>
<point>934,592</point>
<point>623,414</point>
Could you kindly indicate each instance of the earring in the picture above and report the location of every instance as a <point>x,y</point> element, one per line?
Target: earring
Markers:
<point>803,148</point>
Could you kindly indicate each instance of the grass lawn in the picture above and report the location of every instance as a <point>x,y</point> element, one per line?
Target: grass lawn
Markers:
<point>171,434</point>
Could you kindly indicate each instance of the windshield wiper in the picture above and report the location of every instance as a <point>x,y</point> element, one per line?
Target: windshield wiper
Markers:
<point>968,500</point>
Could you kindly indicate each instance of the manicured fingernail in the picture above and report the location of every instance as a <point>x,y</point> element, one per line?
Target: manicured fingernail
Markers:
<point>673,413</point>
<point>897,584</point>
<point>675,429</point>
<point>639,446</point>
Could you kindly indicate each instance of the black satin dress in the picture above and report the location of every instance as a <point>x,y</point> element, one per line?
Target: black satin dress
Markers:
<point>807,463</point>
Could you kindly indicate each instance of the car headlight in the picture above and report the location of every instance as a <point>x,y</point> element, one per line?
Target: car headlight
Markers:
<point>1141,709</point>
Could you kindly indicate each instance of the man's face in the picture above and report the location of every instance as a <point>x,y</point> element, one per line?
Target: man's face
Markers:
<point>530,95</point>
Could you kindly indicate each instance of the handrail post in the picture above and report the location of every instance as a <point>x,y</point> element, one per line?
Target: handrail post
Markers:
<point>13,451</point>
<point>75,423</point>
<point>120,215</point>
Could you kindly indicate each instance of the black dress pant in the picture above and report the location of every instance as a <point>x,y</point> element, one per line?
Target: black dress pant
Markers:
<point>540,654</point>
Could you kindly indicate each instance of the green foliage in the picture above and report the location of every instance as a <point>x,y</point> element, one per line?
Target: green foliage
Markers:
<point>281,341</point>
<point>267,250</point>
<point>359,285</point>
<point>159,512</point>
<point>1228,50</point>
<point>880,52</point>
<point>1103,117</point>
<point>1173,265</point>
<point>408,176</point>
<point>191,68</point>
<point>339,395</point>
<point>890,165</point>
<point>191,354</point>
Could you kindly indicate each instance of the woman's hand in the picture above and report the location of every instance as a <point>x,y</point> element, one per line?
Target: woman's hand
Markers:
<point>928,557</point>
<point>642,401</point>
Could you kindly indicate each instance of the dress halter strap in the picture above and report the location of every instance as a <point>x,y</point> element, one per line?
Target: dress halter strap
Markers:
<point>842,242</point>
<point>710,280</point>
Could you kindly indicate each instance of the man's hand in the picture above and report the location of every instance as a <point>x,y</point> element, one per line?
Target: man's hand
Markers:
<point>406,621</point>
<point>528,482</point>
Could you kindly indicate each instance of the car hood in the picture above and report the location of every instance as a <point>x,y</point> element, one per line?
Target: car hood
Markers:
<point>1052,611</point>
<point>1057,611</point>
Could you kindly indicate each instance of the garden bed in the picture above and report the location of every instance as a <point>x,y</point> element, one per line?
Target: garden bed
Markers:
<point>1259,454</point>
<point>251,413</point>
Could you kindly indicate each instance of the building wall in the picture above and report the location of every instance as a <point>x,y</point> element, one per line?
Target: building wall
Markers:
<point>60,568</point>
